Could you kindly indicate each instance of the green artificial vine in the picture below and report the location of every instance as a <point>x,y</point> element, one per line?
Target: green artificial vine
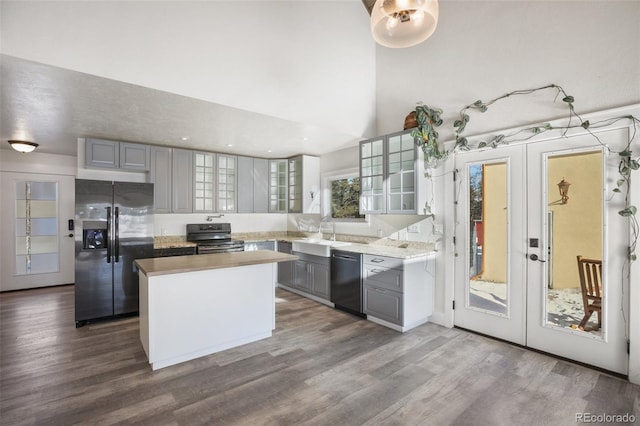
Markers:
<point>426,135</point>
<point>427,138</point>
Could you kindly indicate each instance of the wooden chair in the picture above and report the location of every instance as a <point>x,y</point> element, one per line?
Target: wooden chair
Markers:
<point>590,271</point>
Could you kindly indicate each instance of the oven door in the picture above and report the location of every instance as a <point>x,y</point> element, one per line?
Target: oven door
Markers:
<point>222,248</point>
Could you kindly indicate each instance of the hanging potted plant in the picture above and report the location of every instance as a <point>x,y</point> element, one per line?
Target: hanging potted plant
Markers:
<point>426,136</point>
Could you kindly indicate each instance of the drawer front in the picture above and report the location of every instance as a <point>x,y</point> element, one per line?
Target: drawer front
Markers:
<point>382,261</point>
<point>174,251</point>
<point>382,303</point>
<point>391,279</point>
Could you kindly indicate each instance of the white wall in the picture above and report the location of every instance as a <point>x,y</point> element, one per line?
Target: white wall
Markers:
<point>286,59</point>
<point>175,224</point>
<point>485,49</point>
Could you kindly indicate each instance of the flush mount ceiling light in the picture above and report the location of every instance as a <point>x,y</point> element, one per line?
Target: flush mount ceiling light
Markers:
<point>402,23</point>
<point>23,146</point>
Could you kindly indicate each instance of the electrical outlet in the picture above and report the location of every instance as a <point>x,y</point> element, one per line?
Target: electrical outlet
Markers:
<point>414,229</point>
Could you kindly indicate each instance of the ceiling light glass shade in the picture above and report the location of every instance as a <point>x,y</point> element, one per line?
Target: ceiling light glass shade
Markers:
<point>403,23</point>
<point>23,146</point>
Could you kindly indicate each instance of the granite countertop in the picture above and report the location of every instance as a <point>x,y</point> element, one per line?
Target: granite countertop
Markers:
<point>166,245</point>
<point>388,251</point>
<point>358,244</point>
<point>204,262</point>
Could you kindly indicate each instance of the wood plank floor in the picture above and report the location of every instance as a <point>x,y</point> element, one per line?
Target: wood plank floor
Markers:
<point>321,367</point>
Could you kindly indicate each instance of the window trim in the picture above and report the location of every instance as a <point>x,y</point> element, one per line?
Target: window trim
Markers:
<point>326,178</point>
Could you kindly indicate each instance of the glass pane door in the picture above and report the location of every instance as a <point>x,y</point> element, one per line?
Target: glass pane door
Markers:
<point>576,232</point>
<point>204,164</point>
<point>36,216</point>
<point>402,166</point>
<point>488,232</point>
<point>226,183</point>
<point>372,176</point>
<point>577,290</point>
<point>490,252</point>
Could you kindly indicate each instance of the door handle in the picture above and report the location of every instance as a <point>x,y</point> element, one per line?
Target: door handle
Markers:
<point>116,220</point>
<point>535,257</point>
<point>109,232</point>
<point>70,235</point>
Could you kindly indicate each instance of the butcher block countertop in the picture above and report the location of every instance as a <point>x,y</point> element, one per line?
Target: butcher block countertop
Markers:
<point>203,262</point>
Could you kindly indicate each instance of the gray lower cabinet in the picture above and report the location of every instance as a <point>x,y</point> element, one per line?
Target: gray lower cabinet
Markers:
<point>398,292</point>
<point>382,303</point>
<point>285,269</point>
<point>160,176</point>
<point>301,279</point>
<point>182,181</point>
<point>320,280</point>
<point>312,275</point>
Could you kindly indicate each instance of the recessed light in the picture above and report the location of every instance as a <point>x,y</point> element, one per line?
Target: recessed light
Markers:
<point>229,145</point>
<point>305,138</point>
<point>184,138</point>
<point>268,150</point>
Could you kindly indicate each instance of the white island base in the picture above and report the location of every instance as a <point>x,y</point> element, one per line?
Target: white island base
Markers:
<point>187,315</point>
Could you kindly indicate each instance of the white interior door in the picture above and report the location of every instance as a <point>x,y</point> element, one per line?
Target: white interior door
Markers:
<point>38,248</point>
<point>490,227</point>
<point>517,274</point>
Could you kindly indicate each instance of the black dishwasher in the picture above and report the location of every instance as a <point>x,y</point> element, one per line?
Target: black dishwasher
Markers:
<point>346,281</point>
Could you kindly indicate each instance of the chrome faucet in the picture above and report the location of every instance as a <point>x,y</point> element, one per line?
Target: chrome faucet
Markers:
<point>328,218</point>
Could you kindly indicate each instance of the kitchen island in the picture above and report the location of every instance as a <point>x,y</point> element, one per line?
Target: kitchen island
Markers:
<point>192,306</point>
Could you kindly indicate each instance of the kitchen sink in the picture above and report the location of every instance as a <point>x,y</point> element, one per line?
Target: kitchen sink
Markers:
<point>316,246</point>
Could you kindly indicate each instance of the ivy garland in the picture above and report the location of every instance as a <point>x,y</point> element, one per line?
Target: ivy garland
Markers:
<point>426,136</point>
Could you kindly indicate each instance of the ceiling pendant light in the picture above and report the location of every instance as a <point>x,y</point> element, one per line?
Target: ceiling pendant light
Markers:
<point>23,146</point>
<point>402,23</point>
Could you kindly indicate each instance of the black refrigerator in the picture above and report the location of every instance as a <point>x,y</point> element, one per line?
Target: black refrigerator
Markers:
<point>113,227</point>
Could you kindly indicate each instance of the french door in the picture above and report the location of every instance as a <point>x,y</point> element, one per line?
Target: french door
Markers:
<point>518,239</point>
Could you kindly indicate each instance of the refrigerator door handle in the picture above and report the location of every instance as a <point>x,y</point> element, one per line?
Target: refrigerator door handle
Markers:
<point>116,219</point>
<point>108,234</point>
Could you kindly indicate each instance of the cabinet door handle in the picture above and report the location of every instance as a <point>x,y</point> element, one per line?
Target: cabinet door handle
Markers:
<point>379,290</point>
<point>377,271</point>
<point>377,260</point>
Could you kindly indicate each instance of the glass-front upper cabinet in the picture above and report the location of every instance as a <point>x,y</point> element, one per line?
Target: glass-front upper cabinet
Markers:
<point>372,176</point>
<point>389,169</point>
<point>226,198</point>
<point>278,186</point>
<point>295,185</point>
<point>402,173</point>
<point>203,181</point>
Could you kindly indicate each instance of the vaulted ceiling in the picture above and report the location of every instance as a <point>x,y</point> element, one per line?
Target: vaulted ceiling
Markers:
<point>295,77</point>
